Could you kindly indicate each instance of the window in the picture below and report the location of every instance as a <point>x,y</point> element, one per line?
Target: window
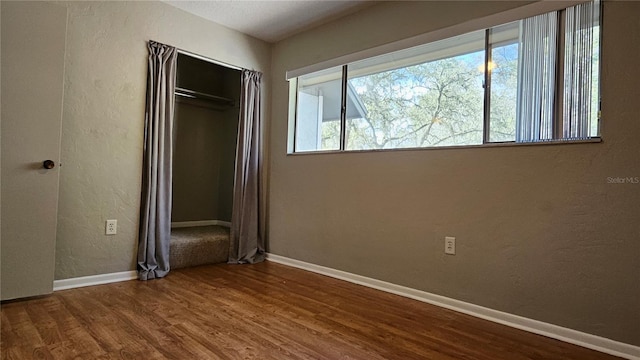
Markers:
<point>532,80</point>
<point>433,98</point>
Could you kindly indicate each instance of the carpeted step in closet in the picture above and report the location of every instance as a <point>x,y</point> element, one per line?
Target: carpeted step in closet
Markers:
<point>198,245</point>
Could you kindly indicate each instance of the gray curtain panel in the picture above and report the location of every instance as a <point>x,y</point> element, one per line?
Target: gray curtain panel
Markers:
<point>247,227</point>
<point>155,207</point>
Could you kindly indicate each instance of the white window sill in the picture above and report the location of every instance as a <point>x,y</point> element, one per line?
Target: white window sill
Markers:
<point>487,145</point>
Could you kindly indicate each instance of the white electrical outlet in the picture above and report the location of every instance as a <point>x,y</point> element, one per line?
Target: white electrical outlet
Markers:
<point>450,245</point>
<point>111,227</point>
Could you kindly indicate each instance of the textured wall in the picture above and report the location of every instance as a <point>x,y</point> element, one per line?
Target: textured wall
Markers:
<point>103,120</point>
<point>541,231</point>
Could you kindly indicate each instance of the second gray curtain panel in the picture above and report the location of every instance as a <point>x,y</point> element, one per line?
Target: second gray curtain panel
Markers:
<point>247,227</point>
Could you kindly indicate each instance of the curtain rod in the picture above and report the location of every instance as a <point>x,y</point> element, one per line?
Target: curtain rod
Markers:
<point>200,57</point>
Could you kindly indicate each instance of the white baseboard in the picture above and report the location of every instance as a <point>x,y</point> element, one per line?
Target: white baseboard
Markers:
<point>100,279</point>
<point>594,342</point>
<point>182,224</point>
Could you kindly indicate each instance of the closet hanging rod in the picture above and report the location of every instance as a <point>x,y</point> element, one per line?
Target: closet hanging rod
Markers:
<point>199,95</point>
<point>200,57</point>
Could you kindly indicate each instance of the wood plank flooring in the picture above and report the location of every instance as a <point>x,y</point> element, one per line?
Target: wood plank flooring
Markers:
<point>263,311</point>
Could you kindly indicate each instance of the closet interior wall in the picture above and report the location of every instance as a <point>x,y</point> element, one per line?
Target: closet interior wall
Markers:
<point>205,133</point>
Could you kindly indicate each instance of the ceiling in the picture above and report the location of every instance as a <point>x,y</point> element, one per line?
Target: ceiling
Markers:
<point>270,20</point>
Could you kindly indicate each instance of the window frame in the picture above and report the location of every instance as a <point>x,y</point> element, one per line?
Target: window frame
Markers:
<point>486,129</point>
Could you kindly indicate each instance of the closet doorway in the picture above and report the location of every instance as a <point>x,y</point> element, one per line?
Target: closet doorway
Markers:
<point>191,167</point>
<point>205,133</point>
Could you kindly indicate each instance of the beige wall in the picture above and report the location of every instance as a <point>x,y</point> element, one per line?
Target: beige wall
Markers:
<point>540,231</point>
<point>199,158</point>
<point>103,120</point>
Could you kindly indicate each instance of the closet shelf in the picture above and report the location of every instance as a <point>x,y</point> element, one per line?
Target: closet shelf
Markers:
<point>191,94</point>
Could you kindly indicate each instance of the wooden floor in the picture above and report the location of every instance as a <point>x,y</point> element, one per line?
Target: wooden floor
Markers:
<point>263,311</point>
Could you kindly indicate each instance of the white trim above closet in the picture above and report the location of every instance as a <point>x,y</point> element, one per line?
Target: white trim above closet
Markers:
<point>200,57</point>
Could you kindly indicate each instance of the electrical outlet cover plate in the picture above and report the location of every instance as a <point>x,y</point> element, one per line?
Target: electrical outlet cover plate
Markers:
<point>450,245</point>
<point>111,227</point>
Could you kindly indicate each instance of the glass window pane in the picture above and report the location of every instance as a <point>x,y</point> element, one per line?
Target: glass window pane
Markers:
<point>432,96</point>
<point>595,84</point>
<point>580,71</point>
<point>504,82</point>
<point>318,111</point>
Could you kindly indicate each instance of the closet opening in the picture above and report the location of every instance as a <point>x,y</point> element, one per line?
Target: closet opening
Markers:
<point>205,132</point>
